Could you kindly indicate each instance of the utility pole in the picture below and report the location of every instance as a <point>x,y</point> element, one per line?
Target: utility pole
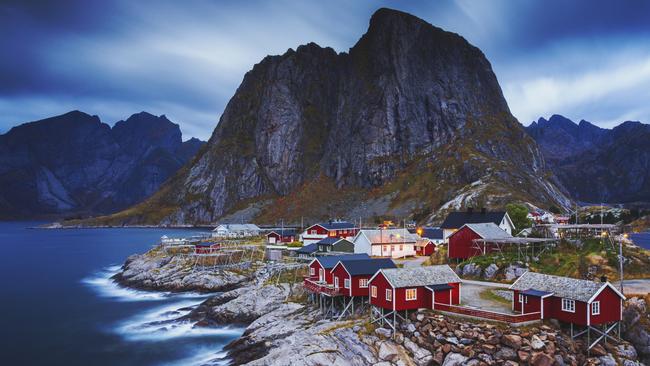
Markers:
<point>620,258</point>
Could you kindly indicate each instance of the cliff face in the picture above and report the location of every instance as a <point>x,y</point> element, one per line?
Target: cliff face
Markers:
<point>411,119</point>
<point>594,164</point>
<point>74,164</point>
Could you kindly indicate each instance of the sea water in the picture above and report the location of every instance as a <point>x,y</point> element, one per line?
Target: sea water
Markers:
<point>60,307</point>
<point>641,239</point>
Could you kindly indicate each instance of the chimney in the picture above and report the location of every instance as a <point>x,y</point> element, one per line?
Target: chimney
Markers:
<point>603,279</point>
<point>470,209</point>
<point>483,210</point>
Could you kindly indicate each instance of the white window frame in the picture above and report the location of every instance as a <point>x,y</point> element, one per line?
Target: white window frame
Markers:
<point>595,308</point>
<point>389,294</point>
<point>312,271</point>
<point>363,282</point>
<point>346,283</point>
<point>373,291</point>
<point>521,298</point>
<point>321,275</point>
<point>569,305</point>
<point>412,291</point>
<point>336,282</point>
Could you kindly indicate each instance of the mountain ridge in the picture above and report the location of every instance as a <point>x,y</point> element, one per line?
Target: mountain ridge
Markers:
<point>600,165</point>
<point>74,164</point>
<point>315,133</point>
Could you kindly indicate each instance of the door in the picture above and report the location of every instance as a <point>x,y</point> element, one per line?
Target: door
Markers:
<point>321,275</point>
<point>336,282</point>
<point>271,239</point>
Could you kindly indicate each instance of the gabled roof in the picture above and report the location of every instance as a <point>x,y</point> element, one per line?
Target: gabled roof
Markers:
<point>308,249</point>
<point>420,276</point>
<point>388,236</point>
<point>488,231</point>
<point>283,232</point>
<point>565,287</point>
<point>331,241</point>
<point>329,261</point>
<point>335,225</point>
<point>356,267</point>
<point>456,220</point>
<point>432,233</point>
<point>238,227</point>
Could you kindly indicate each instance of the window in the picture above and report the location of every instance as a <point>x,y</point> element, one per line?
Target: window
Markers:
<point>346,283</point>
<point>392,248</point>
<point>569,305</point>
<point>313,232</point>
<point>312,271</point>
<point>373,291</point>
<point>321,275</point>
<point>595,308</point>
<point>385,248</point>
<point>401,247</point>
<point>389,295</point>
<point>411,294</point>
<point>363,283</point>
<point>336,282</point>
<point>523,299</point>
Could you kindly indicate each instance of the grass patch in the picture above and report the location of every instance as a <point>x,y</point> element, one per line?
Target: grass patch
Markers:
<point>489,295</point>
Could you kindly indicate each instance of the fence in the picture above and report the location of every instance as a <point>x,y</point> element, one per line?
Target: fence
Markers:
<point>489,315</point>
<point>322,288</point>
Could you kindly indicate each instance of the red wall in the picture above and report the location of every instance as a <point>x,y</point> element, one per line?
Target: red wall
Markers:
<point>382,284</point>
<point>610,307</point>
<point>334,233</point>
<point>553,309</point>
<point>532,304</point>
<point>316,266</point>
<point>423,299</point>
<point>283,239</point>
<point>428,249</point>
<point>340,273</point>
<point>460,244</point>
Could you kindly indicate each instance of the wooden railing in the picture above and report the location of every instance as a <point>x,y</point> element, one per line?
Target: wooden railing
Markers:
<point>489,315</point>
<point>320,287</point>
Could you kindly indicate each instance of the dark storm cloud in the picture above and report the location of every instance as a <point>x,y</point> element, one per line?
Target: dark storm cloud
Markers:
<point>585,59</point>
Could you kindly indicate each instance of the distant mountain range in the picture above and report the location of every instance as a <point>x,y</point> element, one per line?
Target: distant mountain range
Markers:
<point>596,164</point>
<point>74,164</point>
<point>411,122</point>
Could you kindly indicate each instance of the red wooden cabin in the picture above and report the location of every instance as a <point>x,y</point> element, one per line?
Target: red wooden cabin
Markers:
<point>400,289</point>
<point>425,247</point>
<point>352,275</point>
<point>320,268</point>
<point>332,229</point>
<point>461,242</point>
<point>570,300</point>
<point>281,236</point>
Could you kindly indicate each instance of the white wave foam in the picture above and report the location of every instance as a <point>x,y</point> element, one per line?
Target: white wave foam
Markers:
<point>201,356</point>
<point>161,324</point>
<point>102,283</point>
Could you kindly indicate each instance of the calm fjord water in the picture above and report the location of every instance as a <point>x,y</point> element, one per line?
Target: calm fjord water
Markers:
<point>58,306</point>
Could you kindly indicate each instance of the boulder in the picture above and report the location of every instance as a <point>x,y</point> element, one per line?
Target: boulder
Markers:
<point>454,359</point>
<point>514,271</point>
<point>490,271</point>
<point>410,328</point>
<point>523,356</point>
<point>511,340</point>
<point>541,359</point>
<point>421,355</point>
<point>536,343</point>
<point>472,270</point>
<point>607,360</point>
<point>388,351</point>
<point>506,353</point>
<point>383,332</point>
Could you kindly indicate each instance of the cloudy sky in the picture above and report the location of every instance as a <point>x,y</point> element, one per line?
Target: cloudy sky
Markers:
<point>583,59</point>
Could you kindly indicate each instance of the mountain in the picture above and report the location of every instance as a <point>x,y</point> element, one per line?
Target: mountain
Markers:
<point>595,164</point>
<point>74,164</point>
<point>410,121</point>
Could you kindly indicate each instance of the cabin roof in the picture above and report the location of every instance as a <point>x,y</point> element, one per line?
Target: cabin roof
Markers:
<point>329,261</point>
<point>389,236</point>
<point>238,227</point>
<point>456,220</point>
<point>420,276</point>
<point>432,233</point>
<point>330,241</point>
<point>565,287</point>
<point>357,267</point>
<point>489,230</point>
<point>283,232</point>
<point>308,249</point>
<point>439,287</point>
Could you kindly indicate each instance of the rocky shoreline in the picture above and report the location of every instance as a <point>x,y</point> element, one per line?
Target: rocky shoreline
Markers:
<point>282,329</point>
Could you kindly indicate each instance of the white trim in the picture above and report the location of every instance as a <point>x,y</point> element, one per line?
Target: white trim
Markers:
<point>406,297</point>
<point>347,281</point>
<point>389,293</point>
<point>514,283</point>
<point>592,308</point>
<point>541,300</point>
<point>312,271</point>
<point>606,284</point>
<point>373,289</point>
<point>363,279</point>
<point>568,301</point>
<point>336,282</point>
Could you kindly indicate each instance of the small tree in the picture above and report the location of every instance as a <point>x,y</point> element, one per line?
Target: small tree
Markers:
<point>519,215</point>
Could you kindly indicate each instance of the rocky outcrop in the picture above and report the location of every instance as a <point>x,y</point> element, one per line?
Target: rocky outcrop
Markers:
<point>74,164</point>
<point>636,321</point>
<point>596,164</point>
<point>155,271</point>
<point>412,117</point>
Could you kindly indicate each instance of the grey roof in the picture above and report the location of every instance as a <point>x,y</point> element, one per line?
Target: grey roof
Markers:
<point>489,231</point>
<point>239,227</point>
<point>565,287</point>
<point>283,232</point>
<point>329,241</point>
<point>330,261</point>
<point>389,236</point>
<point>337,225</point>
<point>420,276</point>
<point>308,249</point>
<point>367,267</point>
<point>457,219</point>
